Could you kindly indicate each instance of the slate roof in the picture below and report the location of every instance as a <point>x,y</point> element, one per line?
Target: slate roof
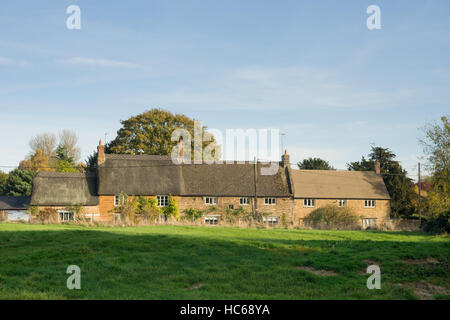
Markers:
<point>14,203</point>
<point>334,184</point>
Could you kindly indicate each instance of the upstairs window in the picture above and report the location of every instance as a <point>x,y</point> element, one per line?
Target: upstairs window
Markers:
<point>211,200</point>
<point>309,203</point>
<point>244,201</point>
<point>120,200</point>
<point>163,201</point>
<point>342,203</point>
<point>270,201</point>
<point>369,203</point>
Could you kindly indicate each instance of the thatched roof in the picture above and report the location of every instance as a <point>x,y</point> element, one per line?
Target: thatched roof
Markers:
<point>338,184</point>
<point>64,189</point>
<point>14,203</point>
<point>150,175</point>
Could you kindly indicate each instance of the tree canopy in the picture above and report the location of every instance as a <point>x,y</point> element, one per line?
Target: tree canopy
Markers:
<point>150,133</point>
<point>314,164</point>
<point>19,183</point>
<point>436,145</point>
<point>3,178</point>
<point>398,184</point>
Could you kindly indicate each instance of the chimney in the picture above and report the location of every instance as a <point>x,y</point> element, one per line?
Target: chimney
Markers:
<point>285,159</point>
<point>377,167</point>
<point>100,153</point>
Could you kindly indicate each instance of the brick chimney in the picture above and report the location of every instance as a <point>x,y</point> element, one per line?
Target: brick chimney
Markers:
<point>377,167</point>
<point>285,159</point>
<point>100,153</point>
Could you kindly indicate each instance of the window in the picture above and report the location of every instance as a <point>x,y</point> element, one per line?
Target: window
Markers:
<point>270,201</point>
<point>244,201</point>
<point>163,201</point>
<point>368,222</point>
<point>65,216</point>
<point>120,200</point>
<point>309,203</point>
<point>211,219</point>
<point>271,221</point>
<point>342,203</point>
<point>369,203</point>
<point>231,206</point>
<point>211,200</point>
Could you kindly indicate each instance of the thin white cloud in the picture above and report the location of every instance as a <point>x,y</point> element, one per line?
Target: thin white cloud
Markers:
<point>4,61</point>
<point>101,62</point>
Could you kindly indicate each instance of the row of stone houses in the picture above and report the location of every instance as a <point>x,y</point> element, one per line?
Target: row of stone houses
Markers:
<point>289,192</point>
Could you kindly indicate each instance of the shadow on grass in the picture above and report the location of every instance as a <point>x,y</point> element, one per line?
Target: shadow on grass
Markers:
<point>121,265</point>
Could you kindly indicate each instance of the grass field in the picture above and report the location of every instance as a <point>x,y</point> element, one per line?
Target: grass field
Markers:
<point>176,262</point>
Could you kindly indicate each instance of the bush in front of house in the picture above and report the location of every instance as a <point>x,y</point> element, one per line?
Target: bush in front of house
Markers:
<point>192,214</point>
<point>332,217</point>
<point>438,224</point>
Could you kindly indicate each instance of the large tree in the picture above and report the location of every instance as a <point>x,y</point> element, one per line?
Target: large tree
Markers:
<point>314,164</point>
<point>398,184</point>
<point>149,133</point>
<point>46,142</point>
<point>19,183</point>
<point>436,145</point>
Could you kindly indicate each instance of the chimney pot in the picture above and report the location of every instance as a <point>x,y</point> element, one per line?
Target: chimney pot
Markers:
<point>100,153</point>
<point>377,167</point>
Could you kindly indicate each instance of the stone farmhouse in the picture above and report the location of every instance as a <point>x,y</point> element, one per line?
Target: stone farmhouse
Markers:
<point>290,192</point>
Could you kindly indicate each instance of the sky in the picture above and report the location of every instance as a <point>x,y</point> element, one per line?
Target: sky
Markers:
<point>311,69</point>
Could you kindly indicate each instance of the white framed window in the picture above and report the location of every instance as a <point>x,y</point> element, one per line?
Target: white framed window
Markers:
<point>211,200</point>
<point>163,201</point>
<point>65,216</point>
<point>211,219</point>
<point>120,200</point>
<point>369,203</point>
<point>270,220</point>
<point>270,201</point>
<point>342,203</point>
<point>368,223</point>
<point>309,203</point>
<point>231,206</point>
<point>244,201</point>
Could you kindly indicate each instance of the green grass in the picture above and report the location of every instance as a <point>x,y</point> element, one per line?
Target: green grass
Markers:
<point>164,262</point>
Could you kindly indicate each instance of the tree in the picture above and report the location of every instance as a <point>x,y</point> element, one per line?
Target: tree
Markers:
<point>3,179</point>
<point>37,162</point>
<point>314,164</point>
<point>399,186</point>
<point>46,142</point>
<point>149,133</point>
<point>68,140</point>
<point>19,183</point>
<point>65,162</point>
<point>436,145</point>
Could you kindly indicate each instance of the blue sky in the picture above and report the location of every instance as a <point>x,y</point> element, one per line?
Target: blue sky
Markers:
<point>311,69</point>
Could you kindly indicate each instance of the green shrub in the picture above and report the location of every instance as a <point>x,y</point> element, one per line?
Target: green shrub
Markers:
<point>192,214</point>
<point>332,217</point>
<point>438,224</point>
<point>172,209</point>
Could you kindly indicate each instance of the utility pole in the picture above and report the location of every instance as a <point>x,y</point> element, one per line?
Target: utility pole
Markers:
<point>420,189</point>
<point>255,205</point>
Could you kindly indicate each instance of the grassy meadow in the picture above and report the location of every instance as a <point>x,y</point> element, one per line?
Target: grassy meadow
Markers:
<point>183,262</point>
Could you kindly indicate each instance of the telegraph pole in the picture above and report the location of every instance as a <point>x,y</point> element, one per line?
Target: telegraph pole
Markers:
<point>420,189</point>
<point>254,182</point>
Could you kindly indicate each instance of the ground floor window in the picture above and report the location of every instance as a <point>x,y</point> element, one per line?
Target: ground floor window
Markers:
<point>271,221</point>
<point>211,219</point>
<point>65,216</point>
<point>369,203</point>
<point>231,206</point>
<point>368,222</point>
<point>120,200</point>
